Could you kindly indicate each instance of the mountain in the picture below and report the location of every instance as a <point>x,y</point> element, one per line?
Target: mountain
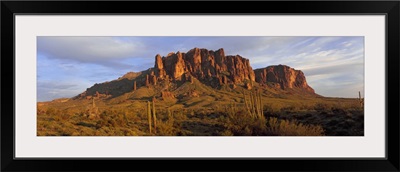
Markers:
<point>283,77</point>
<point>211,68</point>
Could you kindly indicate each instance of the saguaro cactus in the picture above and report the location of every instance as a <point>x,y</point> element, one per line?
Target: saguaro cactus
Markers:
<point>360,100</point>
<point>254,105</point>
<point>149,115</point>
<point>154,115</point>
<point>92,112</point>
<point>169,114</point>
<point>93,104</point>
<point>246,102</point>
<point>134,86</point>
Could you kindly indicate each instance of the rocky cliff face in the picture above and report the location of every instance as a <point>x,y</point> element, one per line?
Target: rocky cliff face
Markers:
<point>212,68</point>
<point>283,75</point>
<point>205,65</point>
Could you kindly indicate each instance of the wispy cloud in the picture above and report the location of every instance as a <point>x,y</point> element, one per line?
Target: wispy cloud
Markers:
<point>106,51</point>
<point>333,65</point>
<point>49,90</point>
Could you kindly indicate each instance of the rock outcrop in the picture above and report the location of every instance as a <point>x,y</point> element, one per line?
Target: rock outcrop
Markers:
<point>159,67</point>
<point>283,75</point>
<point>204,65</point>
<point>212,68</point>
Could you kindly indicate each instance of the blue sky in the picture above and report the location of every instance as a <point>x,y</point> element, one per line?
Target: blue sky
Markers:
<point>66,66</point>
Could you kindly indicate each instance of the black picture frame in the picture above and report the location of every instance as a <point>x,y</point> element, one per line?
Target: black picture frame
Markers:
<point>10,8</point>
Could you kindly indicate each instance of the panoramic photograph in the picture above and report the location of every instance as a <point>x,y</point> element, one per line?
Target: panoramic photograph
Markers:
<point>200,86</point>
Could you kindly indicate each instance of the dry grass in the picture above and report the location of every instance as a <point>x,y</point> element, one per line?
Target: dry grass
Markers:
<point>277,127</point>
<point>213,112</point>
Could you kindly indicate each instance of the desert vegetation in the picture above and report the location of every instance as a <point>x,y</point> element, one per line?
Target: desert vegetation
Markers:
<point>249,113</point>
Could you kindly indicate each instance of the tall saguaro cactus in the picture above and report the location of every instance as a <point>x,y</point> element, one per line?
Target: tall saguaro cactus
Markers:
<point>93,111</point>
<point>246,102</point>
<point>360,100</point>
<point>149,115</point>
<point>93,104</point>
<point>154,115</point>
<point>134,86</point>
<point>254,105</point>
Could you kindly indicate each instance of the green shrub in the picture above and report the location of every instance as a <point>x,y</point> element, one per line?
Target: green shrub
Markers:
<point>239,123</point>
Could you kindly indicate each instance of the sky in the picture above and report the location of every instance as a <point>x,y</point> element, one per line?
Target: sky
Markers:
<point>66,66</point>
